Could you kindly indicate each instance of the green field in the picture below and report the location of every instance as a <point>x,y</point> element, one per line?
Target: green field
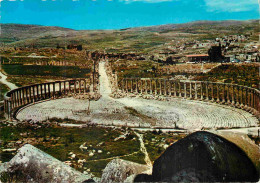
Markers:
<point>3,90</point>
<point>46,70</point>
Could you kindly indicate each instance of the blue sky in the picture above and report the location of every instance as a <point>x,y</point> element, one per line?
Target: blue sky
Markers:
<point>116,14</point>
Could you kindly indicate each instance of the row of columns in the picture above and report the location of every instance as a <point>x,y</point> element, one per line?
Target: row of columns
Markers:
<point>238,96</point>
<point>30,94</point>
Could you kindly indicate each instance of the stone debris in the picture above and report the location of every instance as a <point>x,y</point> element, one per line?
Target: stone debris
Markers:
<point>119,170</point>
<point>41,167</point>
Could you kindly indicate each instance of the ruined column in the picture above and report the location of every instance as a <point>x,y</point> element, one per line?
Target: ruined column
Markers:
<point>160,86</point>
<point>85,86</point>
<point>223,96</point>
<point>237,95</point>
<point>49,90</point>
<point>79,86</point>
<point>218,93</point>
<point>123,85</point>
<point>53,95</point>
<point>233,95</point>
<point>37,92</point>
<point>145,86</point>
<point>190,90</point>
<point>170,88</point>
<point>34,98</point>
<point>136,86</point>
<point>180,88</point>
<point>201,90</point>
<point>246,98</point>
<point>131,85</point>
<point>59,90</point>
<point>165,87</point>
<point>196,92</point>
<point>75,86</point>
<point>185,89</point>
<point>30,94</point>
<point>151,89</point>
<point>126,83</point>
<point>26,93</point>
<point>69,87</point>
<point>175,89</point>
<point>242,97</point>
<point>212,92</point>
<point>155,86</point>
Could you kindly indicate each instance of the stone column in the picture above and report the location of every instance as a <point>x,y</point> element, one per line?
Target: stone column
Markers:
<point>180,88</point>
<point>85,86</point>
<point>212,92</point>
<point>145,87</point>
<point>246,98</point>
<point>218,93</point>
<point>34,98</point>
<point>123,85</point>
<point>54,91</point>
<point>79,86</point>
<point>233,95</point>
<point>26,93</point>
<point>69,87</point>
<point>136,85</point>
<point>237,95</point>
<point>242,96</point>
<point>49,90</point>
<point>190,90</point>
<point>37,93</point>
<point>131,85</point>
<point>60,90</point>
<point>201,91</point>
<point>196,92</point>
<point>170,87</point>
<point>185,89</point>
<point>160,86</point>
<point>175,89</point>
<point>75,86</point>
<point>155,86</point>
<point>207,91</point>
<point>151,89</point>
<point>30,94</point>
<point>165,87</point>
<point>126,83</point>
<point>223,96</point>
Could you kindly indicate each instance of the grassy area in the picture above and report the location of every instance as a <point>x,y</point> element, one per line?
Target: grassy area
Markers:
<point>62,142</point>
<point>234,73</point>
<point>157,142</point>
<point>46,70</point>
<point>3,90</point>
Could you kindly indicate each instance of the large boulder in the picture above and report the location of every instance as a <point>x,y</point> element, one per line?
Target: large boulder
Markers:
<point>202,157</point>
<point>119,170</point>
<point>33,165</point>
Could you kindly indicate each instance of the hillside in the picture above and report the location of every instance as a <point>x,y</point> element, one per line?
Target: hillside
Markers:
<point>140,39</point>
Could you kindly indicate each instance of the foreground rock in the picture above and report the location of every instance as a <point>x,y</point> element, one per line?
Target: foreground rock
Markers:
<point>202,157</point>
<point>119,170</point>
<point>33,165</point>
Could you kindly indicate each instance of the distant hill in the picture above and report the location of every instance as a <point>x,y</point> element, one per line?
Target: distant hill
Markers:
<point>201,24</point>
<point>16,32</point>
<point>143,39</point>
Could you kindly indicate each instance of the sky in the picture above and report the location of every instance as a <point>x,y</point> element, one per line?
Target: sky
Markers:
<point>117,14</point>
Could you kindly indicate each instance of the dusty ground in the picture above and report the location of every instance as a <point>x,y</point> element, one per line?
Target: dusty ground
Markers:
<point>137,112</point>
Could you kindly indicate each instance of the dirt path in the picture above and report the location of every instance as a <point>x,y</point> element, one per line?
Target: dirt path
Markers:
<point>105,89</point>
<point>7,83</point>
<point>143,150</point>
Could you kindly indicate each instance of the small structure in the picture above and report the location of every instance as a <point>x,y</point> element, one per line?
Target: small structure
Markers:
<point>197,57</point>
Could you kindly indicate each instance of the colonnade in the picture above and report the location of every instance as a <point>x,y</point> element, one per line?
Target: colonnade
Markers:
<point>22,96</point>
<point>223,93</point>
